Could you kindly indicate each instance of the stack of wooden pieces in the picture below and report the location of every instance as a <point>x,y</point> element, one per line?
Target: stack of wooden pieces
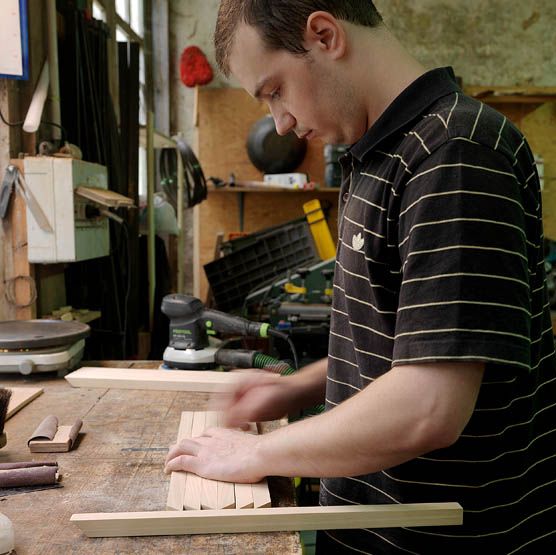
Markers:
<point>191,492</point>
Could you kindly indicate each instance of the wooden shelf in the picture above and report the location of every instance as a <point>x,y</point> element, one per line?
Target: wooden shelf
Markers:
<point>512,95</point>
<point>516,103</point>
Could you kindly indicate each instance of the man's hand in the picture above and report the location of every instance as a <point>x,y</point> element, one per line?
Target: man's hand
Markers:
<point>258,397</point>
<point>262,396</point>
<point>219,454</point>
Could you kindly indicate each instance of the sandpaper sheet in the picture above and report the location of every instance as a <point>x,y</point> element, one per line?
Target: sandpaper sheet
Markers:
<point>34,476</point>
<point>46,430</point>
<point>25,464</point>
<point>51,438</point>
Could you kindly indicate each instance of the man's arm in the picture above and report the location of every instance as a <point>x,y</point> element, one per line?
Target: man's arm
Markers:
<point>263,396</point>
<point>409,411</point>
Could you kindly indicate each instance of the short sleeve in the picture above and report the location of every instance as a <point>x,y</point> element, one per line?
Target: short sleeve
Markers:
<point>465,293</point>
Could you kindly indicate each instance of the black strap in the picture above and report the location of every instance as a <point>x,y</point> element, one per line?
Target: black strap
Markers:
<point>194,178</point>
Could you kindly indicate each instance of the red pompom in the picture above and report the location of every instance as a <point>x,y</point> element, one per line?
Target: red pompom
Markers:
<point>194,67</point>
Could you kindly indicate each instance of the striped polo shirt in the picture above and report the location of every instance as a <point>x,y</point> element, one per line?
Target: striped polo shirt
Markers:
<point>440,259</point>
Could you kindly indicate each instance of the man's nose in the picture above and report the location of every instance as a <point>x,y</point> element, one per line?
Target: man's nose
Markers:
<point>284,122</point>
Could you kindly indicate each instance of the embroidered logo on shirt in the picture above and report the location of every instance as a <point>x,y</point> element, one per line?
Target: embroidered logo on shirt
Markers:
<point>357,242</point>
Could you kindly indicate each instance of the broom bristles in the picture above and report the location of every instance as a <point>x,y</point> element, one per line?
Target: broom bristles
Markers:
<point>5,396</point>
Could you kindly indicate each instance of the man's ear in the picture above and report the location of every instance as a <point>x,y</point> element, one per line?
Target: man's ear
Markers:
<point>325,33</point>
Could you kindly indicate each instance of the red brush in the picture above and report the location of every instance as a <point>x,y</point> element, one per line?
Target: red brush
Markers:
<point>194,67</point>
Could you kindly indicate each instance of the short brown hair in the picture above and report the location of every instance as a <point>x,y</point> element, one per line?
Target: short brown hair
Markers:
<point>281,23</point>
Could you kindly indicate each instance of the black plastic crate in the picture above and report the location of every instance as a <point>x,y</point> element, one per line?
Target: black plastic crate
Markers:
<point>234,245</point>
<point>268,256</point>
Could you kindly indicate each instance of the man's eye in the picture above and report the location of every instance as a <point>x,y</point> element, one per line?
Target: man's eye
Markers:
<point>275,94</point>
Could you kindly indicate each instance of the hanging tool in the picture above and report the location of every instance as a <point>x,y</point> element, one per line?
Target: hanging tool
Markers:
<point>13,177</point>
<point>191,324</point>
<point>32,204</point>
<point>10,178</point>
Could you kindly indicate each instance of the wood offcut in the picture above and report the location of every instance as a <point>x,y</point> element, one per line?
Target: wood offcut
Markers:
<point>21,396</point>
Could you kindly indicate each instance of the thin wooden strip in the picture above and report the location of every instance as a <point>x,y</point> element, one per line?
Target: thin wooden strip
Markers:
<point>209,488</point>
<point>244,496</point>
<point>192,497</point>
<point>260,491</point>
<point>160,380</point>
<point>21,396</point>
<point>261,494</point>
<point>277,519</point>
<point>176,491</point>
<point>226,498</point>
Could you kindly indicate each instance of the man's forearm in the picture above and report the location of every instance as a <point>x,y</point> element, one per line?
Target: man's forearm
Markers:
<point>311,383</point>
<point>394,419</point>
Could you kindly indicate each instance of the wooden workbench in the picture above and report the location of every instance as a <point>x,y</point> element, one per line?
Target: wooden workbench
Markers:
<point>117,466</point>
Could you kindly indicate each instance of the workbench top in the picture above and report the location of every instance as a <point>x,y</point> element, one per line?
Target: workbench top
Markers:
<point>117,466</point>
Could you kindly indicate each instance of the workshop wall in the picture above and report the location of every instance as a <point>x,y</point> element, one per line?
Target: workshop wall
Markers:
<point>498,42</point>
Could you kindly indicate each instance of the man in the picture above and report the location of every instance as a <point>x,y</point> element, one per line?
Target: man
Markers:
<point>440,383</point>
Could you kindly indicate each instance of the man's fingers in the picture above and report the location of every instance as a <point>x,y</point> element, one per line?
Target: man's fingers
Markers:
<point>180,463</point>
<point>184,447</point>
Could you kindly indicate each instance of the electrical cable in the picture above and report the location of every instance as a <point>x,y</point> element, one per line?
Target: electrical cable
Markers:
<point>288,339</point>
<point>20,123</point>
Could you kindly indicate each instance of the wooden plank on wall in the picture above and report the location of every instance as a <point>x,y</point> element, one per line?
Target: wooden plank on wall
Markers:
<point>164,523</point>
<point>225,117</point>
<point>540,129</point>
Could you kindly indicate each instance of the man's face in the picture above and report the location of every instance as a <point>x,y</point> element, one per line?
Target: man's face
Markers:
<point>302,92</point>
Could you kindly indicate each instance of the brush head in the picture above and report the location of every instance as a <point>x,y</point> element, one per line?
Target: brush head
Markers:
<point>5,395</point>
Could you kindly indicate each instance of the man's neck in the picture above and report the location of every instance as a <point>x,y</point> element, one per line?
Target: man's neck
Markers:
<point>388,70</point>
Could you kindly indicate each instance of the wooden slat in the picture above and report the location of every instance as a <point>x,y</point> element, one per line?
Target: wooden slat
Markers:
<point>244,496</point>
<point>162,523</point>
<point>192,498</point>
<point>21,396</point>
<point>209,488</point>
<point>226,498</point>
<point>176,491</point>
<point>261,494</point>
<point>260,491</point>
<point>162,380</point>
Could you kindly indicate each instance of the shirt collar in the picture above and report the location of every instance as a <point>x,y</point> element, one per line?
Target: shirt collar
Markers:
<point>412,102</point>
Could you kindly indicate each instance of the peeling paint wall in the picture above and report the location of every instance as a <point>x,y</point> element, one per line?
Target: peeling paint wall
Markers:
<point>488,42</point>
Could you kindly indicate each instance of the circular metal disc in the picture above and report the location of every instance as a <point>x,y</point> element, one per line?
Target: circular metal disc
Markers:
<point>30,334</point>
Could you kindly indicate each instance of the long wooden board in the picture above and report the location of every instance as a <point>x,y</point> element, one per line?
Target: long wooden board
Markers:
<point>161,380</point>
<point>164,523</point>
<point>21,396</point>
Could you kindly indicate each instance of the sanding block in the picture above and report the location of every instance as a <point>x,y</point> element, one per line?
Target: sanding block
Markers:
<point>49,437</point>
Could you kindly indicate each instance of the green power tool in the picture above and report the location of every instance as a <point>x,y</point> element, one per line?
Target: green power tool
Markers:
<point>191,324</point>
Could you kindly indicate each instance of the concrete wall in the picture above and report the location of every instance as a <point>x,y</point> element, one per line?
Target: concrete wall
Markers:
<point>488,42</point>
